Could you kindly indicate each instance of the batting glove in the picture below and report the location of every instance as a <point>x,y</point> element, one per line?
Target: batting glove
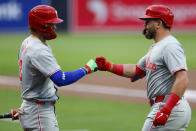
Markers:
<point>103,64</point>
<point>16,113</point>
<point>161,117</point>
<point>91,66</point>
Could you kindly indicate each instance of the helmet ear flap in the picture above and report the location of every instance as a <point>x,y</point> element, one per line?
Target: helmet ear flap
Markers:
<point>48,32</point>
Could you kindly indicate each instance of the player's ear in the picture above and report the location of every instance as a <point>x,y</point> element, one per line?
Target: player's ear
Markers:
<point>159,24</point>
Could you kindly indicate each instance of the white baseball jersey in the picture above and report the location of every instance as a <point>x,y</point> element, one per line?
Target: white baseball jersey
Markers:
<point>160,63</point>
<point>36,64</point>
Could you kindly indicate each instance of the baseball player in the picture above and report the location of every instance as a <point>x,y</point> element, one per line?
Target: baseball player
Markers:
<point>165,69</point>
<point>40,72</point>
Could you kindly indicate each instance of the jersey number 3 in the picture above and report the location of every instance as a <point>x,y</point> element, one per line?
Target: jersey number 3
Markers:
<point>20,70</point>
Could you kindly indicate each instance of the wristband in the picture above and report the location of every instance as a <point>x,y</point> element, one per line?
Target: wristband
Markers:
<point>172,101</point>
<point>109,66</point>
<point>87,68</point>
<point>117,69</point>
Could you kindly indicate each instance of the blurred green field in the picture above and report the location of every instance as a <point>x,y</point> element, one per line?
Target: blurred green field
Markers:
<point>84,113</point>
<point>73,51</point>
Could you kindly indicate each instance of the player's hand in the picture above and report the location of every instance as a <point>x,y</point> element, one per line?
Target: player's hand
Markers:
<point>103,64</point>
<point>91,66</point>
<point>16,113</point>
<point>161,117</point>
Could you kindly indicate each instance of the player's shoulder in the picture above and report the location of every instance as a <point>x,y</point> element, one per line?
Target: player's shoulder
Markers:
<point>172,39</point>
<point>173,45</point>
<point>171,42</point>
<point>34,46</point>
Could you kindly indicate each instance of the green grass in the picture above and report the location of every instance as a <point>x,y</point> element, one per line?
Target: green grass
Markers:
<point>73,51</point>
<point>87,113</point>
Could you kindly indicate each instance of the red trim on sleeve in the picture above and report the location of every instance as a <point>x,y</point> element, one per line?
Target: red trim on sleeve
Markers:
<point>178,69</point>
<point>53,72</point>
<point>139,73</point>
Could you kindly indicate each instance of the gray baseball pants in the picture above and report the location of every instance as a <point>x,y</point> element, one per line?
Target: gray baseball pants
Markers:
<point>38,117</point>
<point>178,120</point>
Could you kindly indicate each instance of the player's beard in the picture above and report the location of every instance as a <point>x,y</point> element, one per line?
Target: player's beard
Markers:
<point>149,33</point>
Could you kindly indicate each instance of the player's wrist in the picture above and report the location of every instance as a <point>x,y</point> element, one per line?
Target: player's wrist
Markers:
<point>91,66</point>
<point>87,69</point>
<point>117,69</point>
<point>109,66</point>
<point>171,102</point>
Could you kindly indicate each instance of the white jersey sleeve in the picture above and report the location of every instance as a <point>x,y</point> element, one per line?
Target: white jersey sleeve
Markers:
<point>174,58</point>
<point>45,62</point>
<point>142,63</point>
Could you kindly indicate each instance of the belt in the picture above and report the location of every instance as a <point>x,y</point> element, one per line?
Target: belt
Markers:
<point>45,102</point>
<point>157,99</point>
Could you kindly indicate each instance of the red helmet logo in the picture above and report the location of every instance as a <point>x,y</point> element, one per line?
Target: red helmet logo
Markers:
<point>159,11</point>
<point>40,17</point>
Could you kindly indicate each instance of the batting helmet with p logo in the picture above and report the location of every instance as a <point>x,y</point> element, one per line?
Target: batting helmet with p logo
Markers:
<point>40,17</point>
<point>159,12</point>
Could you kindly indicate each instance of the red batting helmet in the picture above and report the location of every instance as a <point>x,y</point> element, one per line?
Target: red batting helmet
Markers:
<point>40,17</point>
<point>159,11</point>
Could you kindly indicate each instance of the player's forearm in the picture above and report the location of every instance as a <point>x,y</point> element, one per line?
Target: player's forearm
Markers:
<point>61,78</point>
<point>129,70</point>
<point>65,78</point>
<point>126,70</point>
<point>177,91</point>
<point>132,71</point>
<point>180,83</point>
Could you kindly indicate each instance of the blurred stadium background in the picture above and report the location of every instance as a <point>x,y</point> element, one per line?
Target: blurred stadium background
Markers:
<point>100,101</point>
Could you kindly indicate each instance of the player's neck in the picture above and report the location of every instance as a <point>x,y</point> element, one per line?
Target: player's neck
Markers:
<point>40,37</point>
<point>161,35</point>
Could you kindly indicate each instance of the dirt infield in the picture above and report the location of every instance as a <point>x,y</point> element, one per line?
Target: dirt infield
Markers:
<point>109,80</point>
